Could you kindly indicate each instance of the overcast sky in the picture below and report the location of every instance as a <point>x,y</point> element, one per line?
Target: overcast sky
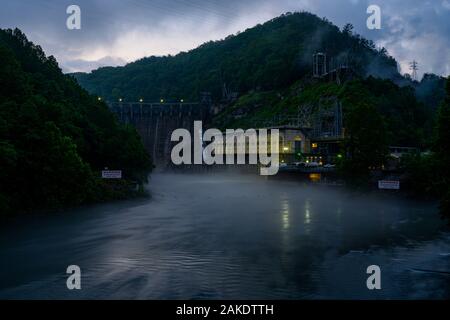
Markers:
<point>118,31</point>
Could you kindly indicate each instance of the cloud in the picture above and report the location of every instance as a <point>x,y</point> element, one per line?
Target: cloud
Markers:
<point>446,4</point>
<point>116,31</point>
<point>418,31</point>
<point>80,65</point>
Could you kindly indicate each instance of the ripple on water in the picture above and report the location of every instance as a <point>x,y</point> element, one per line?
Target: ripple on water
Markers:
<point>232,237</point>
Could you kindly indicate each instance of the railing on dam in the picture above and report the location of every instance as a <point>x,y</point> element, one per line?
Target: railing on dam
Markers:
<point>130,112</point>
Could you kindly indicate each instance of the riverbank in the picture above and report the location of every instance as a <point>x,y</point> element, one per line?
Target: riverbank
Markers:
<point>112,191</point>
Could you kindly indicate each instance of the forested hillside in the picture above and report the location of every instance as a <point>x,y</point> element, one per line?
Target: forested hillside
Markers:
<point>269,56</point>
<point>55,137</point>
<point>407,121</point>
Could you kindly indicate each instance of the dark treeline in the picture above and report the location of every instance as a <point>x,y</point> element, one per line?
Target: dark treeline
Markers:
<point>442,151</point>
<point>55,137</point>
<point>429,173</point>
<point>379,114</point>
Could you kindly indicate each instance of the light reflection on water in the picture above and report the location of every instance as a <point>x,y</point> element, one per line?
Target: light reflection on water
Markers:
<point>285,213</point>
<point>233,237</point>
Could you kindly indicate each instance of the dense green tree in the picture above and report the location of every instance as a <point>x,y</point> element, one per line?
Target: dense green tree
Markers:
<point>422,178</point>
<point>442,149</point>
<point>54,137</point>
<point>442,145</point>
<point>365,145</point>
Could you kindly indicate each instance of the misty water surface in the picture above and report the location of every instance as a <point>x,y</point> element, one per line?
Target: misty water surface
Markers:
<point>234,237</point>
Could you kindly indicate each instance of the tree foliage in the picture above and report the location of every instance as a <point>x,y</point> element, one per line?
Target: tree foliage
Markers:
<point>442,149</point>
<point>54,136</point>
<point>429,174</point>
<point>269,56</point>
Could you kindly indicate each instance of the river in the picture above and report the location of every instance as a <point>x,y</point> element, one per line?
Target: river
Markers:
<point>218,236</point>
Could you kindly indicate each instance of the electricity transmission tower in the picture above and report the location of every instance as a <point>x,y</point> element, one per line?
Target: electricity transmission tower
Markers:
<point>414,66</point>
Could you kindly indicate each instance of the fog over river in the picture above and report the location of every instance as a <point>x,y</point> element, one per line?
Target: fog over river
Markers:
<point>218,236</point>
